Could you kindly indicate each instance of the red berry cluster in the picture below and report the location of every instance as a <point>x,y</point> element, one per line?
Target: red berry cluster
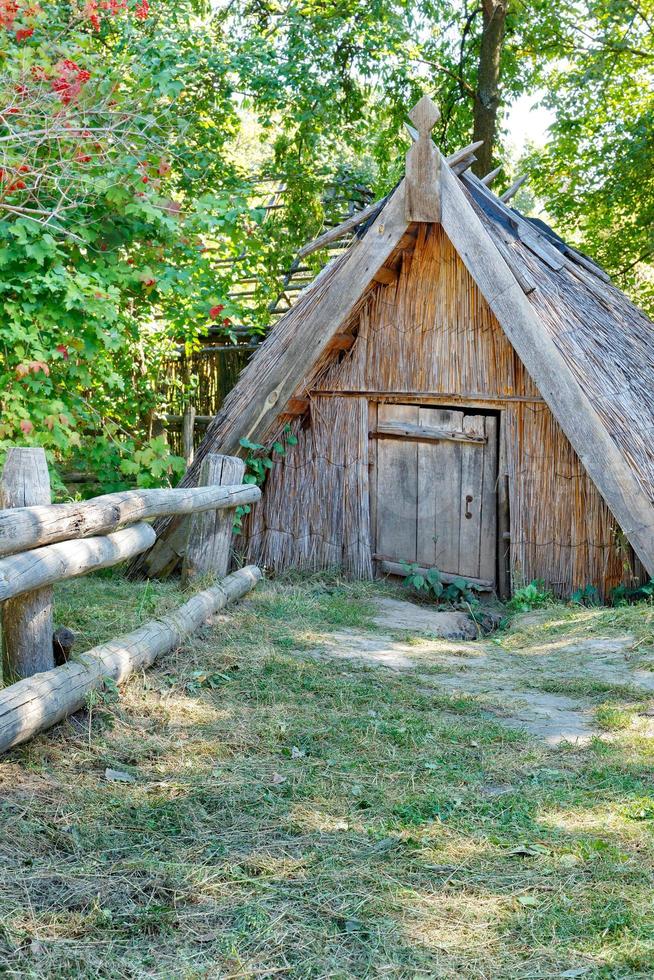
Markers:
<point>10,10</point>
<point>70,81</point>
<point>94,10</point>
<point>9,179</point>
<point>8,13</point>
<point>215,312</point>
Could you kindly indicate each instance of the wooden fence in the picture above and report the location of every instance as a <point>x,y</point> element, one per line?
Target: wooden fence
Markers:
<point>43,543</point>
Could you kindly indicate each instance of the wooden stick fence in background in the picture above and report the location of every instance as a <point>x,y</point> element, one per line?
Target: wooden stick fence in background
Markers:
<point>44,543</point>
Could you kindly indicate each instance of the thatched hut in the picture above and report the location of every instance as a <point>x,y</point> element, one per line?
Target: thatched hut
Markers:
<point>467,391</point>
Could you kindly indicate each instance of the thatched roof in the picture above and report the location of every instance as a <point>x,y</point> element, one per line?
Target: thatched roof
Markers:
<point>585,345</point>
<point>607,342</point>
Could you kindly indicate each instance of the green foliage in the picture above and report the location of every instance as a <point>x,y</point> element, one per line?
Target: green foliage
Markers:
<point>132,132</point>
<point>532,596</point>
<point>587,596</point>
<point>596,175</point>
<point>623,595</point>
<point>258,463</point>
<point>113,180</point>
<point>260,458</point>
<point>458,592</point>
<point>640,809</point>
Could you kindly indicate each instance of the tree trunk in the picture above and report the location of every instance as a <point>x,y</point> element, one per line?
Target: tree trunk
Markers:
<point>487,95</point>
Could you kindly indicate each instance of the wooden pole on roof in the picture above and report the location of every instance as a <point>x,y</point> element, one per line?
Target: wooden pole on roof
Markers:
<point>490,177</point>
<point>422,194</point>
<point>513,189</point>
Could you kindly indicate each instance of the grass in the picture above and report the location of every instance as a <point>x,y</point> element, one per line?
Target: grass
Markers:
<point>292,816</point>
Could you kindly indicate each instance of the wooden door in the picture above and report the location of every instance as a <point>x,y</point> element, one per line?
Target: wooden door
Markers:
<point>435,489</point>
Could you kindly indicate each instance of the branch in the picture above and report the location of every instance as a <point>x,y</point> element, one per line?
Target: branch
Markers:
<point>641,258</point>
<point>437,66</point>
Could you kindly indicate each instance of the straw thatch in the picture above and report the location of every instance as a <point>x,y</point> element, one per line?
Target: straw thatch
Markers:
<point>605,339</point>
<point>430,337</point>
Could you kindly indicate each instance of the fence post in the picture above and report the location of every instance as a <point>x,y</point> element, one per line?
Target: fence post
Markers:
<point>210,534</point>
<point>26,619</point>
<point>188,431</point>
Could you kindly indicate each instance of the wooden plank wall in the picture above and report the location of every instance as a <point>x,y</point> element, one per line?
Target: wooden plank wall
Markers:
<point>432,332</point>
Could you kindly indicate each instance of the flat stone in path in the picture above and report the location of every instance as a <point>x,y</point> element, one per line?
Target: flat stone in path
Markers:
<point>398,614</point>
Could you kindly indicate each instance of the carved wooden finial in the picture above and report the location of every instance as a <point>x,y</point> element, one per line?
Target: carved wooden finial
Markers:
<point>423,197</point>
<point>424,116</point>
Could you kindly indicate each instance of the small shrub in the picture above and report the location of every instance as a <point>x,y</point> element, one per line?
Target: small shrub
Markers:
<point>588,596</point>
<point>458,592</point>
<point>532,596</point>
<point>622,595</point>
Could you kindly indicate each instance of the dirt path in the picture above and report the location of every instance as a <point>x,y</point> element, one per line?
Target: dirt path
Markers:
<point>524,689</point>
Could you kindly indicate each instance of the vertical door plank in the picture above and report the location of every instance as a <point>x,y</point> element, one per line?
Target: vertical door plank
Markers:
<point>372,479</point>
<point>472,478</point>
<point>503,516</point>
<point>397,488</point>
<point>488,532</point>
<point>439,493</point>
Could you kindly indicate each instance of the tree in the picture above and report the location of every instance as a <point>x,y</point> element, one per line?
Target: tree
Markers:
<point>596,175</point>
<point>125,199</point>
<point>487,92</point>
<point>114,180</point>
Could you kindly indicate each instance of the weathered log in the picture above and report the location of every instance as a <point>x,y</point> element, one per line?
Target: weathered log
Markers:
<point>209,541</point>
<point>38,702</point>
<point>27,620</point>
<point>397,568</point>
<point>32,527</point>
<point>56,562</point>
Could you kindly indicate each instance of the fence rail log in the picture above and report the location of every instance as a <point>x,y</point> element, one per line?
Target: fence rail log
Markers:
<point>23,528</point>
<point>56,562</point>
<point>38,702</point>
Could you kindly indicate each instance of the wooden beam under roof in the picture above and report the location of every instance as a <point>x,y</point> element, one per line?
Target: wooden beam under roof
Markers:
<point>513,189</point>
